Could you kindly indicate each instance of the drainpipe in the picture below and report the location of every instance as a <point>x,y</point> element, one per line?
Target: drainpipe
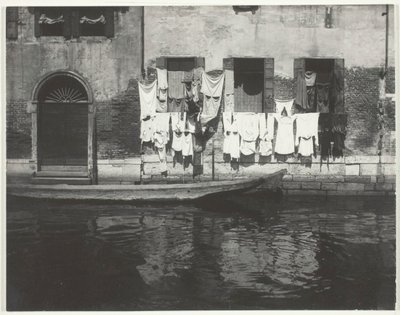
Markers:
<point>387,38</point>
<point>142,45</point>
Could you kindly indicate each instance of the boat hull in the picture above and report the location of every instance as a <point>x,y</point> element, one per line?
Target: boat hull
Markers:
<point>148,192</point>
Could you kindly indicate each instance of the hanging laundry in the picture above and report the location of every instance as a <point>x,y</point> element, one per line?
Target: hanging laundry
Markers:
<point>229,100</point>
<point>234,143</point>
<point>176,89</point>
<point>187,76</point>
<point>310,77</point>
<point>325,136</point>
<point>146,129</point>
<point>161,125</point>
<point>306,133</point>
<point>148,99</point>
<point>211,87</point>
<point>162,90</point>
<point>197,163</point>
<point>177,105</point>
<point>284,104</point>
<point>339,123</point>
<point>162,106</point>
<point>191,123</point>
<point>229,82</point>
<point>178,125</point>
<point>187,144</point>
<point>301,92</point>
<point>284,136</point>
<point>265,139</point>
<point>227,122</point>
<point>248,131</point>
<point>195,91</point>
<point>322,92</point>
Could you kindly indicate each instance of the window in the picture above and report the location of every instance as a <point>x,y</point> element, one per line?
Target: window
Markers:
<point>12,22</point>
<point>74,21</point>
<point>324,84</point>
<point>253,83</point>
<point>180,73</point>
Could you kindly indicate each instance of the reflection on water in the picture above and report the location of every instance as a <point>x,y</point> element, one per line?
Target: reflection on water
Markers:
<point>304,253</point>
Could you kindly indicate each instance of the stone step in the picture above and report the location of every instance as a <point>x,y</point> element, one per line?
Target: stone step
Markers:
<point>61,180</point>
<point>61,174</point>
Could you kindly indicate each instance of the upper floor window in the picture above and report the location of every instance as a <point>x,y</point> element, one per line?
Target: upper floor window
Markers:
<point>74,21</point>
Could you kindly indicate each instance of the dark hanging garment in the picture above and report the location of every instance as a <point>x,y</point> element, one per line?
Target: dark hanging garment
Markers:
<point>311,98</point>
<point>325,136</point>
<point>339,123</point>
<point>301,92</point>
<point>177,105</point>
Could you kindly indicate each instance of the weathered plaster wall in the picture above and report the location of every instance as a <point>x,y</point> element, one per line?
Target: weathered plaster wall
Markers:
<point>282,32</point>
<point>109,65</point>
<point>285,33</point>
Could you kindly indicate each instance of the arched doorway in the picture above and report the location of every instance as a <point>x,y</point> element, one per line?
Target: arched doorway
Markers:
<point>64,123</point>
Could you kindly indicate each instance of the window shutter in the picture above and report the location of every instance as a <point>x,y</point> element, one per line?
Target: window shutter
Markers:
<point>67,23</point>
<point>161,63</point>
<point>75,24</point>
<point>12,22</point>
<point>268,85</point>
<point>299,66</point>
<point>109,27</point>
<point>37,25</point>
<point>228,64</point>
<point>338,86</point>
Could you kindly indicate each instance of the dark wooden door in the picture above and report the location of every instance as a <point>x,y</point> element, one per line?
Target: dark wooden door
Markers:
<point>63,134</point>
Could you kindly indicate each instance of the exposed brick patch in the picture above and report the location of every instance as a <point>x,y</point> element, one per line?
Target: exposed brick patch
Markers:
<point>361,99</point>
<point>19,125</point>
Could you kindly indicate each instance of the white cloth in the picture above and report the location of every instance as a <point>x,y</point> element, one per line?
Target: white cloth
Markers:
<point>249,131</point>
<point>265,148</point>
<point>195,91</point>
<point>187,144</point>
<point>306,129</point>
<point>191,124</point>
<point>310,78</point>
<point>229,102</point>
<point>234,143</point>
<point>211,87</point>
<point>229,82</point>
<point>148,99</point>
<point>161,128</point>
<point>162,78</point>
<point>285,137</point>
<point>280,105</point>
<point>178,128</point>
<point>227,122</point>
<point>146,129</point>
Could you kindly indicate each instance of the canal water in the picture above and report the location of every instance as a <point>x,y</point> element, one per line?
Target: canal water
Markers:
<point>249,253</point>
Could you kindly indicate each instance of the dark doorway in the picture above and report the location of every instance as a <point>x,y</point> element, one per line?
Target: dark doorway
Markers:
<point>63,126</point>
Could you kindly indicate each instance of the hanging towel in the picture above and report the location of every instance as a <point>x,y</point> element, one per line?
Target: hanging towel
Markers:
<point>161,123</point>
<point>284,136</point>
<point>265,142</point>
<point>248,131</point>
<point>309,77</point>
<point>191,124</point>
<point>211,87</point>
<point>227,122</point>
<point>234,143</point>
<point>146,129</point>
<point>187,144</point>
<point>306,131</point>
<point>176,89</point>
<point>284,104</point>
<point>148,99</point>
<point>178,122</point>
<point>229,82</point>
<point>301,92</point>
<point>162,78</point>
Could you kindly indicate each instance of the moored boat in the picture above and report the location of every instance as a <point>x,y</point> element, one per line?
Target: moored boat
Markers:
<point>148,192</point>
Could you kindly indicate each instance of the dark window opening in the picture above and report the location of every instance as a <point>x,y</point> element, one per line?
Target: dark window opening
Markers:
<point>74,21</point>
<point>180,64</point>
<point>51,21</point>
<point>92,21</point>
<point>248,84</point>
<point>320,71</point>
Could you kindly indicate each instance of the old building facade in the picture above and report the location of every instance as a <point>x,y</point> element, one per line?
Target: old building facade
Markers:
<point>72,86</point>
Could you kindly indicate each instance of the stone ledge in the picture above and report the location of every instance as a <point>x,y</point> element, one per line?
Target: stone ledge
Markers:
<point>311,185</point>
<point>357,179</point>
<point>350,186</point>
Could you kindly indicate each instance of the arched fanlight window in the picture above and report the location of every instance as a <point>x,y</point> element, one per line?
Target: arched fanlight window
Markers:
<point>63,89</point>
